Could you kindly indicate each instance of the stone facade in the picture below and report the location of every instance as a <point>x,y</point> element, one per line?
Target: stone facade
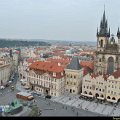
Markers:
<point>108,51</point>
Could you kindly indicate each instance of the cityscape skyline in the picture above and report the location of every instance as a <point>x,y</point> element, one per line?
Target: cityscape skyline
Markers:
<point>56,20</point>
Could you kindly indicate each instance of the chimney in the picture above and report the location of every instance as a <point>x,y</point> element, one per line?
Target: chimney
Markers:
<point>59,64</point>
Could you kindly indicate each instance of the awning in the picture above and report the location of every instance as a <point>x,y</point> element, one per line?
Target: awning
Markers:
<point>87,95</point>
<point>114,101</point>
<point>102,98</point>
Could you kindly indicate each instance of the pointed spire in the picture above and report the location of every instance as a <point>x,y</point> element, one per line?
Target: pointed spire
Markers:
<point>103,31</point>
<point>109,30</point>
<point>104,18</point>
<point>118,32</point>
<point>97,31</point>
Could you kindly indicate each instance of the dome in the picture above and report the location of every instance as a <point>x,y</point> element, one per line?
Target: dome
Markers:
<point>70,51</point>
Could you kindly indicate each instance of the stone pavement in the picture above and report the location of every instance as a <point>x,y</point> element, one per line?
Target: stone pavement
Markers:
<point>107,110</point>
<point>75,101</point>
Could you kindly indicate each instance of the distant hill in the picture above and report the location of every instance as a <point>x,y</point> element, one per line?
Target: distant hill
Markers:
<point>67,42</point>
<point>21,43</point>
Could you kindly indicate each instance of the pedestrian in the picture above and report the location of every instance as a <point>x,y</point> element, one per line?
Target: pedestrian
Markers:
<point>77,113</point>
<point>66,107</point>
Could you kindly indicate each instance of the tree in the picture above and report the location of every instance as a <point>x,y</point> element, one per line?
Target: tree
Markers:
<point>34,112</point>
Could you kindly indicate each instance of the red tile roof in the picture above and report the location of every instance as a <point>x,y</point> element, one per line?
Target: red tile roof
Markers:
<point>63,62</point>
<point>46,66</point>
<point>89,64</point>
<point>116,74</point>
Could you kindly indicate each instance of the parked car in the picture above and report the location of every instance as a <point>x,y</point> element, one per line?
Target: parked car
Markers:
<point>2,87</point>
<point>48,96</point>
<point>7,85</point>
<point>10,81</point>
<point>12,87</point>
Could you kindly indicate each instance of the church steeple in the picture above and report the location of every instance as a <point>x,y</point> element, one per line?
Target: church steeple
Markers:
<point>103,26</point>
<point>118,33</point>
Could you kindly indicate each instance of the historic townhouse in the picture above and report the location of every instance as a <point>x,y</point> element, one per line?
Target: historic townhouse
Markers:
<point>74,76</point>
<point>94,86</point>
<point>46,78</point>
<point>113,87</point>
<point>103,87</point>
<point>4,71</point>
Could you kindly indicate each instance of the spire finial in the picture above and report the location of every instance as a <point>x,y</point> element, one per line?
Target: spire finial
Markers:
<point>118,29</point>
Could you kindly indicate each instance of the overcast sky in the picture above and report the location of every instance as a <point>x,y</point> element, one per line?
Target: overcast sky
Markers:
<point>56,19</point>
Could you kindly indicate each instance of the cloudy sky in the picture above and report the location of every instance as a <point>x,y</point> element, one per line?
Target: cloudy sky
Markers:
<point>56,19</point>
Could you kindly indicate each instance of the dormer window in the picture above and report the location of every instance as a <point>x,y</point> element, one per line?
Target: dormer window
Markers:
<point>61,73</point>
<point>54,74</point>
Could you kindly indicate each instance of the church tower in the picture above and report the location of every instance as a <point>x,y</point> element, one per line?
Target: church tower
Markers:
<point>108,51</point>
<point>103,34</point>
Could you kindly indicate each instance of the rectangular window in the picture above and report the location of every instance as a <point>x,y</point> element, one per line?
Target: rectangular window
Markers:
<point>54,74</point>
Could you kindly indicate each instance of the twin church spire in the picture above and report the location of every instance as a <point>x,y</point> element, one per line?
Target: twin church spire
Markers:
<point>103,31</point>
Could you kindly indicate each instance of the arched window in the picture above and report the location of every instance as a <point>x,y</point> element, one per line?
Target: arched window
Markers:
<point>101,95</point>
<point>90,93</point>
<point>101,43</point>
<point>96,95</point>
<point>113,98</point>
<point>110,65</point>
<point>108,97</point>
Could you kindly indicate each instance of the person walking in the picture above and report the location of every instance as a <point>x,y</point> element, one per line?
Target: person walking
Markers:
<point>77,113</point>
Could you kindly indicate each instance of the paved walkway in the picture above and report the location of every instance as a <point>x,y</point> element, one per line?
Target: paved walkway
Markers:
<point>75,101</point>
<point>107,110</point>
